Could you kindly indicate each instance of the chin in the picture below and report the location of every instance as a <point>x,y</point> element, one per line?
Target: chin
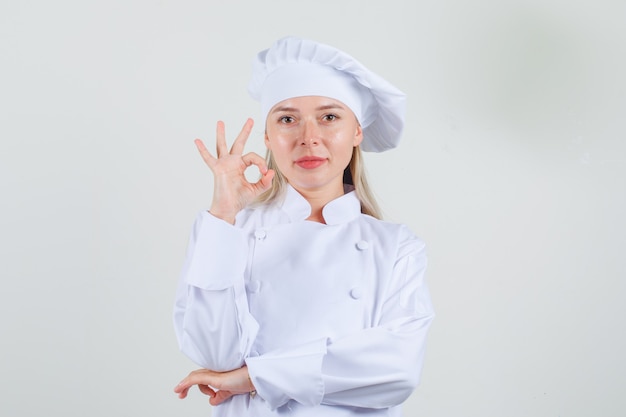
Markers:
<point>314,185</point>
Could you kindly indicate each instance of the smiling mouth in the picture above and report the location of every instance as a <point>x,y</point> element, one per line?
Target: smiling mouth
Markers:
<point>310,162</point>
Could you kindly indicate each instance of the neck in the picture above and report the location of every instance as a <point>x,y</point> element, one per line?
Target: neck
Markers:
<point>318,198</point>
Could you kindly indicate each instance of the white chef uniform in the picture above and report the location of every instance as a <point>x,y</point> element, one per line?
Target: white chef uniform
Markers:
<point>331,319</point>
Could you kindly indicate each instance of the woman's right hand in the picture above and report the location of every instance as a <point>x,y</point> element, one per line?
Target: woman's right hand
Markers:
<point>232,192</point>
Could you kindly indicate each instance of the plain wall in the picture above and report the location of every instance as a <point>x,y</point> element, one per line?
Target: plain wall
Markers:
<point>512,169</point>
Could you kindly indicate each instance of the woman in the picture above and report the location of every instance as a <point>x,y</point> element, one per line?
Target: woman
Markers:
<point>295,298</point>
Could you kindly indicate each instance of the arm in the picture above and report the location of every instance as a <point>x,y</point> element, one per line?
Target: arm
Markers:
<point>377,367</point>
<point>213,325</point>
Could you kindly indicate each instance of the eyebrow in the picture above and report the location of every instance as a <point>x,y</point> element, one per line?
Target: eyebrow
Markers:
<point>294,110</point>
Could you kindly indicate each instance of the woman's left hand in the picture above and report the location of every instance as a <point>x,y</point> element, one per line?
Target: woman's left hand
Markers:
<point>220,386</point>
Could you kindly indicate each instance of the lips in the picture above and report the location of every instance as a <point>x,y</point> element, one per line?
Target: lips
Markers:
<point>310,162</point>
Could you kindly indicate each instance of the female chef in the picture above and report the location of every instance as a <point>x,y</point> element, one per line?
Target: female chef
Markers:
<point>295,298</point>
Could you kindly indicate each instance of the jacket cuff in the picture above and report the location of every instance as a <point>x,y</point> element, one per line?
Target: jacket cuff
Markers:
<point>219,253</point>
<point>290,374</point>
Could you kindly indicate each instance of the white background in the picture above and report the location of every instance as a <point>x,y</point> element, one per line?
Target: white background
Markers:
<point>512,168</point>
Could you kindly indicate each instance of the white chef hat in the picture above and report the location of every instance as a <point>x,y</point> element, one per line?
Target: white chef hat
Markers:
<point>294,67</point>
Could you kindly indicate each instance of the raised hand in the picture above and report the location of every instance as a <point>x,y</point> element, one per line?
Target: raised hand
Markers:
<point>232,191</point>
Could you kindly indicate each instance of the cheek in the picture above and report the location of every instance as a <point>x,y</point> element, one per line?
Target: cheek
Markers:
<point>278,144</point>
<point>281,150</point>
<point>342,145</point>
<point>347,156</point>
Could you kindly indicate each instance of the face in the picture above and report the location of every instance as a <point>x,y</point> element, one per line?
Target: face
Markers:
<point>312,139</point>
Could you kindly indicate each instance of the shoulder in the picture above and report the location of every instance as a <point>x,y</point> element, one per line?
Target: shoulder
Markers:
<point>398,235</point>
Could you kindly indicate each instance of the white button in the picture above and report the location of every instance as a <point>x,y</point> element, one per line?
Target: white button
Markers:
<point>254,286</point>
<point>362,245</point>
<point>356,293</point>
<point>260,234</point>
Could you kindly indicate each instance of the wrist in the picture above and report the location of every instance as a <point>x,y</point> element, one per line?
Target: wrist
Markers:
<point>251,387</point>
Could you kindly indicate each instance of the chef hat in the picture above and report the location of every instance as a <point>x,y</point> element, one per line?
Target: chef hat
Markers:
<point>294,67</point>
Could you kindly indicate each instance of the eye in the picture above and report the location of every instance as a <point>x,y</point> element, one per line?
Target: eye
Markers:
<point>330,117</point>
<point>286,119</point>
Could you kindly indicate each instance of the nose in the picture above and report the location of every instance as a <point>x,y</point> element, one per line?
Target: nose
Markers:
<point>310,133</point>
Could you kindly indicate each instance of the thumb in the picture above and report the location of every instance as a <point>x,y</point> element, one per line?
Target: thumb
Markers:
<point>265,182</point>
<point>220,397</point>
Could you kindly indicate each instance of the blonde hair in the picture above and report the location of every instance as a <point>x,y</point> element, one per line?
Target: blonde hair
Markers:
<point>354,175</point>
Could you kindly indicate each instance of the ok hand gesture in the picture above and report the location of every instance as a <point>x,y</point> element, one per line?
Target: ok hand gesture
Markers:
<point>232,191</point>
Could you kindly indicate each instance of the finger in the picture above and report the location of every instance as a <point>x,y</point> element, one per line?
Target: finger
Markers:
<point>201,377</point>
<point>267,175</point>
<point>220,143</point>
<point>194,378</point>
<point>220,397</point>
<point>255,159</point>
<point>204,153</point>
<point>179,388</point>
<point>182,393</point>
<point>205,389</point>
<point>240,141</point>
<point>265,182</point>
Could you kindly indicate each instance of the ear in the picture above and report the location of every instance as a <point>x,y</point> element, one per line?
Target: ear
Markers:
<point>358,136</point>
<point>267,141</point>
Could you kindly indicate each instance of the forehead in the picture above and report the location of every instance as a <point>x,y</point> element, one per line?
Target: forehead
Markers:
<point>308,103</point>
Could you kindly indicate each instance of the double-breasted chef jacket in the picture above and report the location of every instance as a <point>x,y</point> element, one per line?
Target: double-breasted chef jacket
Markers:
<point>331,319</point>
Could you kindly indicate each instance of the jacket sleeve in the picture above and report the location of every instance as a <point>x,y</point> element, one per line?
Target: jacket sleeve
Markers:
<point>377,367</point>
<point>211,318</point>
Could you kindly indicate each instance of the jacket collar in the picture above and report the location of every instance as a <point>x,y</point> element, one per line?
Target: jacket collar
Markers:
<point>340,210</point>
